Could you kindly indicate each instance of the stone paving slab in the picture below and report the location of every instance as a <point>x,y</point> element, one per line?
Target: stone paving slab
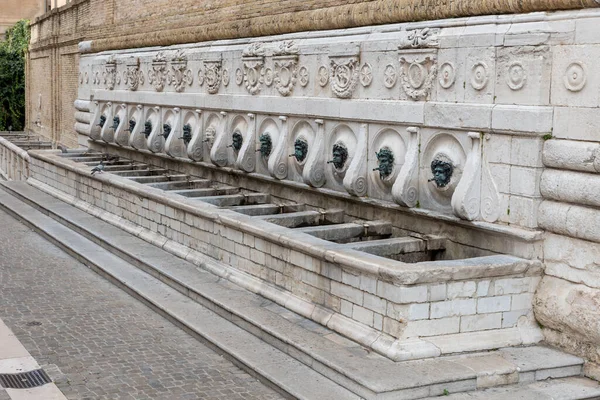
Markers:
<point>97,342</point>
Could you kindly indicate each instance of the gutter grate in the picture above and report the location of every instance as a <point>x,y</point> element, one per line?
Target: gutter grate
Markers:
<point>24,380</point>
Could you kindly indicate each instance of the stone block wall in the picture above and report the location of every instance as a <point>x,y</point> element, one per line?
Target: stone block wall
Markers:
<point>401,310</point>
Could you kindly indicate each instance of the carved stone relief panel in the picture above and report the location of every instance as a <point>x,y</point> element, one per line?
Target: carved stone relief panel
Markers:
<point>267,138</point>
<point>180,75</point>
<point>133,76</point>
<point>480,75</point>
<point>343,75</point>
<point>120,125</point>
<point>441,165</point>
<point>386,154</point>
<point>253,61</point>
<point>340,149</point>
<point>154,130</point>
<point>213,75</point>
<point>299,144</point>
<point>157,73</point>
<point>109,75</point>
<point>522,75</point>
<point>246,158</point>
<point>417,73</point>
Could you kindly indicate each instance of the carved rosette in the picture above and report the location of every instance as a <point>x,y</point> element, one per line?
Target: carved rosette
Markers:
<point>110,73</point>
<point>213,75</point>
<point>286,74</point>
<point>157,74</point>
<point>405,189</point>
<point>180,74</point>
<point>343,75</point>
<point>418,70</point>
<point>133,76</point>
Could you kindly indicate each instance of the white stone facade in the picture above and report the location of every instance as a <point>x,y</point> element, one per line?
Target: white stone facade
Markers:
<point>509,102</point>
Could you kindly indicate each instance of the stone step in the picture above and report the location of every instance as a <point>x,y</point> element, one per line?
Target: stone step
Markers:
<point>554,389</point>
<point>268,209</point>
<point>207,192</point>
<point>274,367</point>
<point>355,367</point>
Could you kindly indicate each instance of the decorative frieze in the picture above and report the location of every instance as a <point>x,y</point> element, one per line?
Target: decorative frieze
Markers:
<point>343,74</point>
<point>180,75</point>
<point>157,73</point>
<point>110,73</point>
<point>418,70</point>
<point>133,75</point>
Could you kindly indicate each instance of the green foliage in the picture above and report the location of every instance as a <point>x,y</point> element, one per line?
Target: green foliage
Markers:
<point>547,136</point>
<point>12,76</point>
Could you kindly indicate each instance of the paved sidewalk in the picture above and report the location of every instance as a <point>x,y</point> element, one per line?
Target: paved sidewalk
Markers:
<point>14,359</point>
<point>94,340</point>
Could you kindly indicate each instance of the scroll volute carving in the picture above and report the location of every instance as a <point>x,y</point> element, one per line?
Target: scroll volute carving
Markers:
<point>355,180</point>
<point>490,197</point>
<point>135,137</point>
<point>314,169</point>
<point>97,123</point>
<point>156,139</point>
<point>122,131</point>
<point>195,148</point>
<point>405,189</point>
<point>246,160</point>
<point>107,132</point>
<point>467,196</point>
<point>138,138</point>
<point>218,152</point>
<point>174,145</point>
<point>278,161</point>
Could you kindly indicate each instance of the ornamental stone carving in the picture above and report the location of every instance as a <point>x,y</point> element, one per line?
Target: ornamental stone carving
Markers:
<point>420,38</point>
<point>516,76</point>
<point>278,160</point>
<point>405,189</point>
<point>246,159</point>
<point>343,75</point>
<point>575,77</point>
<point>323,76</point>
<point>447,75</point>
<point>180,75</point>
<point>253,63</point>
<point>133,75</point>
<point>157,74</point>
<point>303,74</point>
<point>479,75</point>
<point>286,73</point>
<point>269,77</point>
<point>110,73</point>
<point>213,75</point>
<point>466,200</point>
<point>390,76</point>
<point>313,172</point>
<point>355,179</point>
<point>366,75</point>
<point>418,70</point>
<point>225,77</point>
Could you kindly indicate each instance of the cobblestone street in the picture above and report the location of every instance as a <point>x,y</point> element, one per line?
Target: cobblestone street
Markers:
<point>95,341</point>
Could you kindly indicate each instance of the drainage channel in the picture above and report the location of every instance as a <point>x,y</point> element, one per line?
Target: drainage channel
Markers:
<point>373,237</point>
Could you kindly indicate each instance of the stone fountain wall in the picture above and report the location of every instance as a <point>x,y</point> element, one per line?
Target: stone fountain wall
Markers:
<point>487,119</point>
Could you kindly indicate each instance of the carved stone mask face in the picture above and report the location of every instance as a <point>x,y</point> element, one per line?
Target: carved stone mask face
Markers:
<point>166,130</point>
<point>238,139</point>
<point>131,125</point>
<point>442,172</point>
<point>147,128</point>
<point>209,134</point>
<point>385,160</point>
<point>102,121</point>
<point>265,145</point>
<point>187,133</point>
<point>300,150</point>
<point>340,155</point>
